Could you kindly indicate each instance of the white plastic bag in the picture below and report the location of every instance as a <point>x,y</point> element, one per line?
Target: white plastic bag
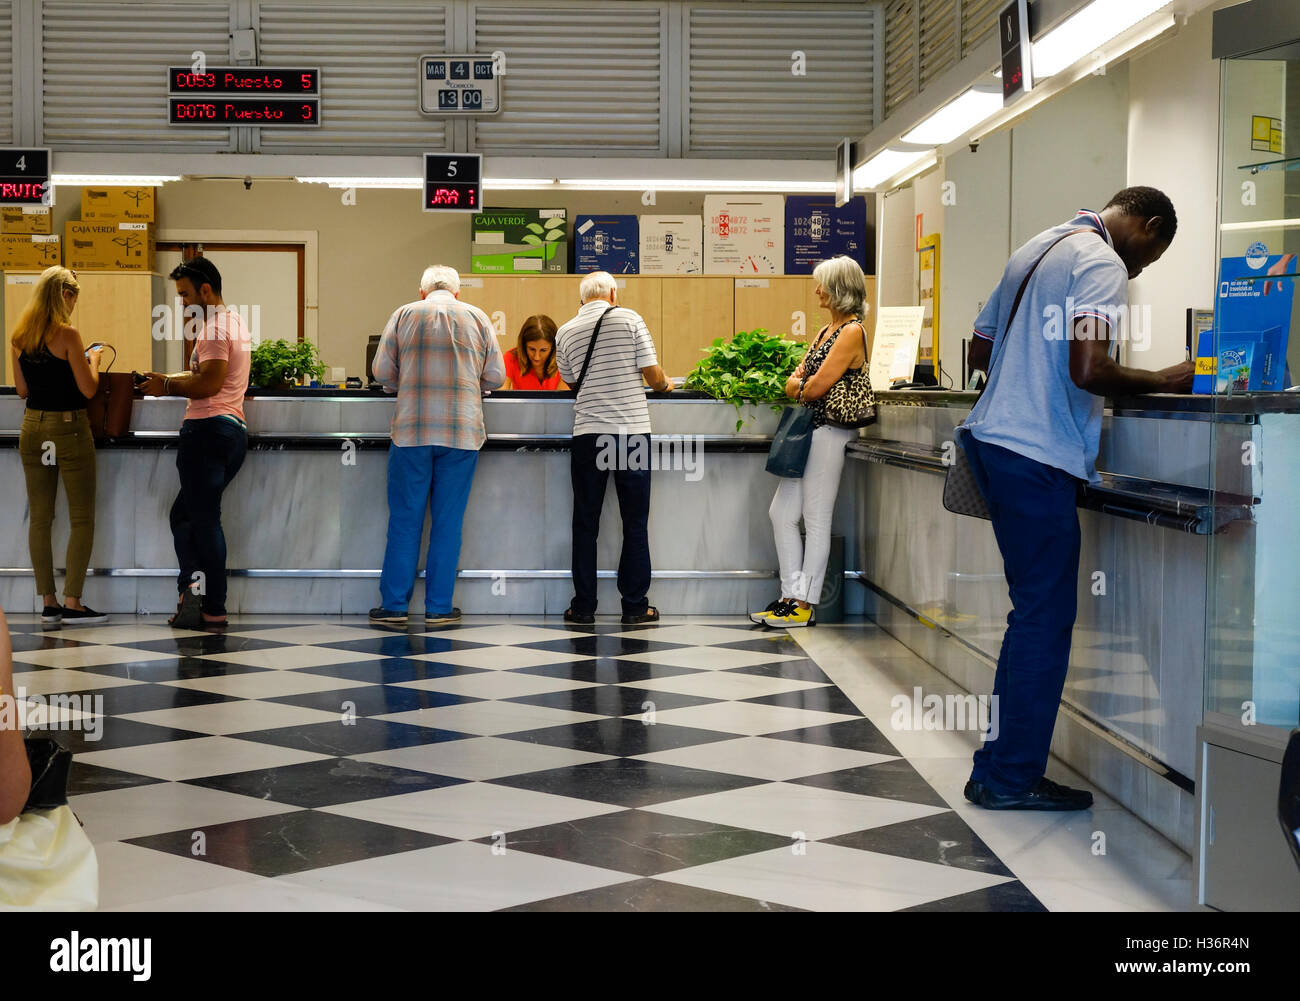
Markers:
<point>47,863</point>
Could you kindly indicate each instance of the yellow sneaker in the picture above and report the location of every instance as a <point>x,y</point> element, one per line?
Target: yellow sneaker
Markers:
<point>761,617</point>
<point>791,616</point>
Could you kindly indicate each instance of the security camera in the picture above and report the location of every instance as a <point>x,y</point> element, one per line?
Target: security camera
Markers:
<point>248,184</point>
<point>974,145</point>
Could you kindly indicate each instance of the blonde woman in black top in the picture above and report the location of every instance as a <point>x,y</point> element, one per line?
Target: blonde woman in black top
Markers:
<point>56,375</point>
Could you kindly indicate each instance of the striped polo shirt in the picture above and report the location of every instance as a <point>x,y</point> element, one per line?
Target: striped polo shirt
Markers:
<point>612,398</point>
<point>1031,405</point>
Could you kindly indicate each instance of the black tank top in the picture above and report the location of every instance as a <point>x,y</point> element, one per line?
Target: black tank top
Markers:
<point>50,383</point>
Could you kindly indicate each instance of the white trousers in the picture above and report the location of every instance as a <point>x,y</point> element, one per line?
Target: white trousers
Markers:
<point>803,566</point>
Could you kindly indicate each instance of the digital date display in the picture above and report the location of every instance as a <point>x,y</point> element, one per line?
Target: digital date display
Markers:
<point>243,80</point>
<point>232,111</point>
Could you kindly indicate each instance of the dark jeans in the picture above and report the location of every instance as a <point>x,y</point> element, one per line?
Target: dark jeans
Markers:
<point>590,452</point>
<point>210,454</point>
<point>1035,520</point>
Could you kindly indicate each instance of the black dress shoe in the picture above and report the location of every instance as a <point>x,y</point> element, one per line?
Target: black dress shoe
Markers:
<point>1046,795</point>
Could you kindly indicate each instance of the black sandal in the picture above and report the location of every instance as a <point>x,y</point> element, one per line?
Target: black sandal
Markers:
<point>649,616</point>
<point>189,612</point>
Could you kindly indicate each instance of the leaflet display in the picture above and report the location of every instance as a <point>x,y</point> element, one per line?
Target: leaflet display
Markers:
<point>606,243</point>
<point>744,234</point>
<point>894,350</point>
<point>672,244</point>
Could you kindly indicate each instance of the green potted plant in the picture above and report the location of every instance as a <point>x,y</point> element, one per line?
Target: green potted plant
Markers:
<point>276,364</point>
<point>751,368</point>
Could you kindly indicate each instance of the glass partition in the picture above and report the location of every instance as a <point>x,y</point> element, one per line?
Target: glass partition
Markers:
<point>1253,600</point>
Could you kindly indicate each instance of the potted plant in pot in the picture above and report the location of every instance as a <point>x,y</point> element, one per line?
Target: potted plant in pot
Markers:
<point>276,364</point>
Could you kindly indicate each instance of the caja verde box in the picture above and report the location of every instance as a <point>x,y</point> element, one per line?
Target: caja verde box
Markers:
<point>520,242</point>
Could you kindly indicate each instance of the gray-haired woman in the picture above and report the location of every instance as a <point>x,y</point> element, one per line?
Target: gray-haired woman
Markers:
<point>837,352</point>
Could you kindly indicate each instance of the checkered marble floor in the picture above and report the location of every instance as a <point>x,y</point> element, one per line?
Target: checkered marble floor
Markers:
<point>326,764</point>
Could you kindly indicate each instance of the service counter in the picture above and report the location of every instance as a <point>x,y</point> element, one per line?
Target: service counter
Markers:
<point>306,517</point>
<point>1191,533</point>
<point>1191,493</point>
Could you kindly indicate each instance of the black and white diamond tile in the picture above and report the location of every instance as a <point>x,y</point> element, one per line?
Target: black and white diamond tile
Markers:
<point>318,763</point>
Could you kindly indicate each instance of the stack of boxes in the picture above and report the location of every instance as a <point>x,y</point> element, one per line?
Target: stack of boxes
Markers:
<point>27,240</point>
<point>115,233</point>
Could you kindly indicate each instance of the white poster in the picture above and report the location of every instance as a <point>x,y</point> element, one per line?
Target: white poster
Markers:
<point>744,234</point>
<point>672,244</point>
<point>893,352</point>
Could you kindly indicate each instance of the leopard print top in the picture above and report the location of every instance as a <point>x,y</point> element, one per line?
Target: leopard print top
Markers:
<point>849,382</point>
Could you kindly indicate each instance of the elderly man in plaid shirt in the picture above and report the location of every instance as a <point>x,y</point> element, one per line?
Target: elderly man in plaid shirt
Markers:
<point>438,355</point>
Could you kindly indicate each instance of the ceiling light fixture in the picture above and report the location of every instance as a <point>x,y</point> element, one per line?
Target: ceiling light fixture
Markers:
<point>956,117</point>
<point>1087,31</point>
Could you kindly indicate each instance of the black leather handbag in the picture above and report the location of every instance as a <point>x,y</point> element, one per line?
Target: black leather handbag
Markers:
<point>50,763</point>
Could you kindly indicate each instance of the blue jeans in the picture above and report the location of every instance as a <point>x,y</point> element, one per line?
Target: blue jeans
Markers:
<point>1036,522</point>
<point>210,452</point>
<point>437,478</point>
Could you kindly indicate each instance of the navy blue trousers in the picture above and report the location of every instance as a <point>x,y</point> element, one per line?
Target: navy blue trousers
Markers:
<point>1036,522</point>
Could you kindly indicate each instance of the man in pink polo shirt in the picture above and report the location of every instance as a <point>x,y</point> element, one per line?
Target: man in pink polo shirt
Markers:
<point>213,441</point>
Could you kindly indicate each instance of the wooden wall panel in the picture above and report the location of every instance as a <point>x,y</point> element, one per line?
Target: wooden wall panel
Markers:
<point>696,310</point>
<point>114,307</point>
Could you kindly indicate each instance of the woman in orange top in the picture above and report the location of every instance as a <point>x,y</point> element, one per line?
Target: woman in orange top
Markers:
<point>531,365</point>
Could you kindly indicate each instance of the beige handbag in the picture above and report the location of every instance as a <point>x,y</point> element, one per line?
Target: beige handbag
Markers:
<point>47,863</point>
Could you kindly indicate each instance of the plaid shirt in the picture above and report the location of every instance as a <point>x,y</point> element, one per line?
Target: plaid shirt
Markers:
<point>439,355</point>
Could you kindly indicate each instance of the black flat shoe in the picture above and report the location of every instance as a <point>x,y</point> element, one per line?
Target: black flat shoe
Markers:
<point>650,615</point>
<point>82,616</point>
<point>577,618</point>
<point>52,615</point>
<point>1046,795</point>
<point>442,618</point>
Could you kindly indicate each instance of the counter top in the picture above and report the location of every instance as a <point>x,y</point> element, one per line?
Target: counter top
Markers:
<point>1149,405</point>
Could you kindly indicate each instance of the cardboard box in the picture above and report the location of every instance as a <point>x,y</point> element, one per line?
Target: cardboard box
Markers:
<point>520,242</point>
<point>28,252</point>
<point>27,219</point>
<point>117,205</point>
<point>109,246</point>
<point>606,243</point>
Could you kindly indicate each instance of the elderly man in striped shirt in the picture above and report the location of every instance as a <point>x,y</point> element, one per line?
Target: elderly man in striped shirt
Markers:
<point>438,355</point>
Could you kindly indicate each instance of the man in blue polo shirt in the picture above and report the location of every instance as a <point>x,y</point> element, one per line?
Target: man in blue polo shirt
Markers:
<point>1031,440</point>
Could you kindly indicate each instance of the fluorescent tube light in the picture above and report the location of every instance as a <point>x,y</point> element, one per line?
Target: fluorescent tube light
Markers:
<point>517,183</point>
<point>1229,227</point>
<point>414,183</point>
<point>1087,31</point>
<point>957,116</point>
<point>696,184</point>
<point>886,164</point>
<point>113,180</point>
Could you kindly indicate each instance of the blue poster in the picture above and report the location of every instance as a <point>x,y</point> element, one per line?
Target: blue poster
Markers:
<point>1253,308</point>
<point>606,243</point>
<point>815,230</point>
